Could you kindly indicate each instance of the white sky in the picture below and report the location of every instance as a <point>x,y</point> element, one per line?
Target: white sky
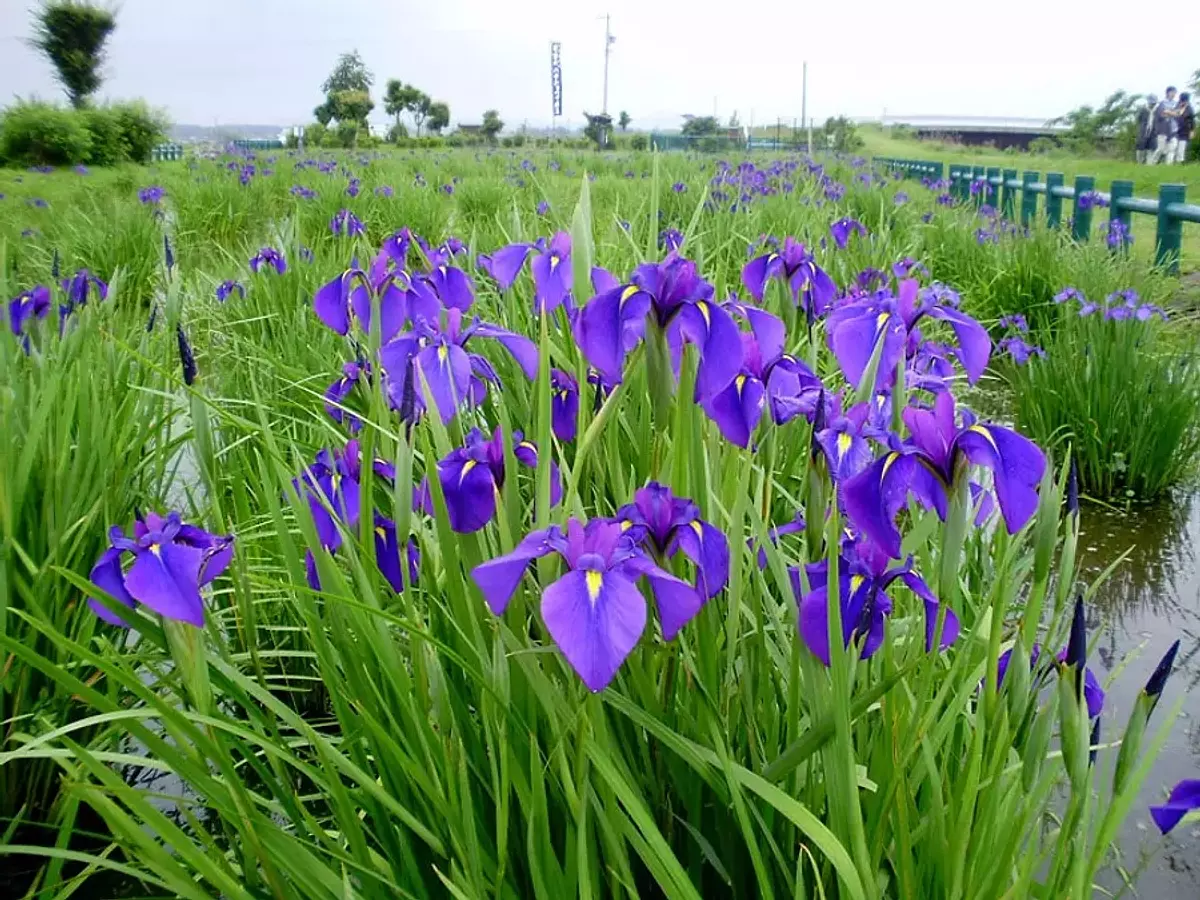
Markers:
<point>262,61</point>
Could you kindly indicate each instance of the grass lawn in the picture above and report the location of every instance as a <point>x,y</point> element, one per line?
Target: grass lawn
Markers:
<point>1146,179</point>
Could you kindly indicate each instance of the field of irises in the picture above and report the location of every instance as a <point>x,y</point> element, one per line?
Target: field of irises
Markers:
<point>482,525</point>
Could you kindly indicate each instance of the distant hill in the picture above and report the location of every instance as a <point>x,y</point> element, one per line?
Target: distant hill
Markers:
<point>222,133</point>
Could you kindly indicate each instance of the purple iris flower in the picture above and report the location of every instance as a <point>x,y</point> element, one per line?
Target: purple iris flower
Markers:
<point>1118,234</point>
<point>843,440</point>
<point>856,329</point>
<point>336,394</point>
<point>246,174</point>
<point>384,190</point>
<point>473,476</point>
<point>668,525</point>
<point>842,229</point>
<point>679,302</point>
<point>80,286</point>
<point>767,373</point>
<point>1093,692</point>
<point>268,256</point>
<point>227,288</point>
<point>905,267</point>
<point>543,207</point>
<point>594,612</point>
<point>564,404</point>
<point>303,193</point>
<point>679,187</point>
<point>306,254</point>
<point>1020,351</point>
<point>1015,321</point>
<point>25,307</point>
<point>347,298</point>
<point>1070,293</point>
<point>450,371</point>
<point>927,465</point>
<point>353,188</point>
<point>671,240</point>
<point>452,285</point>
<point>551,268</point>
<point>863,580</point>
<point>809,283</point>
<point>151,195</point>
<point>1184,798</point>
<point>171,562</point>
<point>346,223</point>
<point>900,198</point>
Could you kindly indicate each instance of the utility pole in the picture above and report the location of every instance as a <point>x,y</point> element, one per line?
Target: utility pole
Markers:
<point>804,94</point>
<point>609,40</point>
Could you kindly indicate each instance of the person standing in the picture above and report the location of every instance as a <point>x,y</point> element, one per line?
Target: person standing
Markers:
<point>1144,145</point>
<point>1166,120</point>
<point>1186,127</point>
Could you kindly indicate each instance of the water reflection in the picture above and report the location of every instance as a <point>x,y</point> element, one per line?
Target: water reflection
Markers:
<point>1151,599</point>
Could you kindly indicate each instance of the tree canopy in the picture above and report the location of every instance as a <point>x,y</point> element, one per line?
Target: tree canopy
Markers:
<point>72,35</point>
<point>492,124</point>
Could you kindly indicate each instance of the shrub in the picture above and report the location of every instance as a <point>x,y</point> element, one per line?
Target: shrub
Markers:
<point>639,142</point>
<point>398,133</point>
<point>347,134</point>
<point>38,134</point>
<point>314,134</point>
<point>107,136</point>
<point>1042,145</point>
<point>142,128</point>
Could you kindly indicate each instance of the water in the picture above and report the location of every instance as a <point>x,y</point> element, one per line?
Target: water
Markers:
<point>1149,602</point>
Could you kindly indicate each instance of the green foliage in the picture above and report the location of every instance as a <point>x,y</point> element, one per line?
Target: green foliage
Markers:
<point>142,128</point>
<point>598,129</point>
<point>1041,146</point>
<point>34,134</point>
<point>349,74</point>
<point>108,144</point>
<point>623,120</point>
<point>351,107</point>
<point>439,117</point>
<point>700,126</point>
<point>398,133</point>
<point>492,124</point>
<point>639,142</point>
<point>841,135</point>
<point>1114,121</point>
<point>314,134</point>
<point>347,93</point>
<point>71,34</point>
<point>347,133</point>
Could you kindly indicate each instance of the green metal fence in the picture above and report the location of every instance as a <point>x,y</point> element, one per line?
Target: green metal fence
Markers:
<point>166,153</point>
<point>258,144</point>
<point>1001,188</point>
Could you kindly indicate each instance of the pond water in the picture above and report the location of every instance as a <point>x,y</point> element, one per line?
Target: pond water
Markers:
<point>1149,602</point>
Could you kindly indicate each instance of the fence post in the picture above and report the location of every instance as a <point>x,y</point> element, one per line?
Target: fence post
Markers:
<point>1053,203</point>
<point>993,193</point>
<point>1170,229</point>
<point>939,171</point>
<point>1028,198</point>
<point>1008,197</point>
<point>1118,192</point>
<point>1081,227</point>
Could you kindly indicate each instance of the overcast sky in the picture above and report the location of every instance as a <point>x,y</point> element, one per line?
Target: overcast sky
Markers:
<point>262,61</point>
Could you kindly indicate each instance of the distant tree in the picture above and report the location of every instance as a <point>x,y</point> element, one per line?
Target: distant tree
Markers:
<point>420,110</point>
<point>623,120</point>
<point>598,128</point>
<point>349,74</point>
<point>347,94</point>
<point>351,106</point>
<point>397,133</point>
<point>347,133</point>
<point>699,126</point>
<point>1115,120</point>
<point>638,142</point>
<point>1194,84</point>
<point>841,135</point>
<point>733,120</point>
<point>439,117</point>
<point>492,124</point>
<point>399,98</point>
<point>72,35</point>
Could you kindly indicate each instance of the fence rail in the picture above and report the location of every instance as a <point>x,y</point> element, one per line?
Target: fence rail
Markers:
<point>166,152</point>
<point>1000,188</point>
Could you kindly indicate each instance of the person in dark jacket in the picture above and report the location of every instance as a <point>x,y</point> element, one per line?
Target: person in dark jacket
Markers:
<point>1145,130</point>
<point>1166,126</point>
<point>1185,127</point>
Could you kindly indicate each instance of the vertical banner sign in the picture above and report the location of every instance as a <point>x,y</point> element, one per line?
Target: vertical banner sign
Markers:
<point>556,77</point>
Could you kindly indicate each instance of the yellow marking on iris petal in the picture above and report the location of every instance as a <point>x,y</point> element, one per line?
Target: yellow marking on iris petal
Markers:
<point>788,357</point>
<point>627,293</point>
<point>698,528</point>
<point>856,582</point>
<point>626,525</point>
<point>467,467</point>
<point>843,444</point>
<point>156,549</point>
<point>704,312</point>
<point>739,383</point>
<point>881,319</point>
<point>595,581</point>
<point>379,530</point>
<point>979,429</point>
<point>442,353</point>
<point>564,396</point>
<point>553,263</point>
<point>527,446</point>
<point>888,463</point>
<point>771,257</point>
